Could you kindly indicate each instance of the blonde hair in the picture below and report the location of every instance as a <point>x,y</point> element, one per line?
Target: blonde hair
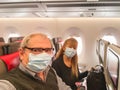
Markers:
<point>72,43</point>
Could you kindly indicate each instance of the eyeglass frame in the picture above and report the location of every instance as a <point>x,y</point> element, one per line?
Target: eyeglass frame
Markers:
<point>40,50</point>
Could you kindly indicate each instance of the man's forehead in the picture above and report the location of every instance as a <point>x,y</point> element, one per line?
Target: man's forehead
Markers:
<point>38,40</point>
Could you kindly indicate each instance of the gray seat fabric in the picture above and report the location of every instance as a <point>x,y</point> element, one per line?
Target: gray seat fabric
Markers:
<point>9,48</point>
<point>1,50</point>
<point>13,47</point>
<point>3,67</point>
<point>15,39</point>
<point>2,42</point>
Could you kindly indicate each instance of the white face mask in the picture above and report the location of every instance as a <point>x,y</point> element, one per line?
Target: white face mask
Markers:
<point>38,62</point>
<point>70,52</point>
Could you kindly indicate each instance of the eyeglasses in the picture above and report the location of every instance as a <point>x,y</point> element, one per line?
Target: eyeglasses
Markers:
<point>40,50</point>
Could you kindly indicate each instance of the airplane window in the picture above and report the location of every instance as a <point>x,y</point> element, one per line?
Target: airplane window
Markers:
<point>110,38</point>
<point>113,66</point>
<point>13,35</point>
<point>79,49</point>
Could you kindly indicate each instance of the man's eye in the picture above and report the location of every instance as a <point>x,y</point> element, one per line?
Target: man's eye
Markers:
<point>35,50</point>
<point>42,49</point>
<point>48,49</point>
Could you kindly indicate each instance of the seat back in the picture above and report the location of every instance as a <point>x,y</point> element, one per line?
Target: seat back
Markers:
<point>13,47</point>
<point>2,42</point>
<point>3,67</point>
<point>1,50</point>
<point>15,39</point>
<point>9,48</point>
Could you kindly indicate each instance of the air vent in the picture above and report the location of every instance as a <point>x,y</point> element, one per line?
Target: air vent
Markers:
<point>19,5</point>
<point>92,9</point>
<point>84,4</point>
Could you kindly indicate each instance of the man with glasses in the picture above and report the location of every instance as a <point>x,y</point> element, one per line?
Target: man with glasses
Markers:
<point>34,71</point>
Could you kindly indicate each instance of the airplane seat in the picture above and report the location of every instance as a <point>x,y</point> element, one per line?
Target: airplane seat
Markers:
<point>9,48</point>
<point>5,49</point>
<point>2,42</point>
<point>3,67</point>
<point>13,47</point>
<point>11,60</point>
<point>1,50</point>
<point>15,39</point>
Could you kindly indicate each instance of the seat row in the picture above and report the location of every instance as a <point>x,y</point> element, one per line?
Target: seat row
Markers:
<point>9,48</point>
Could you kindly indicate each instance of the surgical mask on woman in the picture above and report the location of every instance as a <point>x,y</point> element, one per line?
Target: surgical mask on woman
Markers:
<point>38,62</point>
<point>70,52</point>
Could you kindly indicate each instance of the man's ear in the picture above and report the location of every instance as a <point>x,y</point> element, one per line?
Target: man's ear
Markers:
<point>21,53</point>
<point>64,48</point>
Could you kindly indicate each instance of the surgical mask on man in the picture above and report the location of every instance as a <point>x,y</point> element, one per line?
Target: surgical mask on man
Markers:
<point>38,62</point>
<point>70,52</point>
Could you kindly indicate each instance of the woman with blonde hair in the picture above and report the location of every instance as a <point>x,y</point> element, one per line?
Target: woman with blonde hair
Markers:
<point>66,63</point>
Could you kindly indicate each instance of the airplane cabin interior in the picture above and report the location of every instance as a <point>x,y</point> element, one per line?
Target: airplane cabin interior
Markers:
<point>95,24</point>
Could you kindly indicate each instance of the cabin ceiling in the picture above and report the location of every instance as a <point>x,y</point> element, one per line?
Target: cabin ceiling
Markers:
<point>59,8</point>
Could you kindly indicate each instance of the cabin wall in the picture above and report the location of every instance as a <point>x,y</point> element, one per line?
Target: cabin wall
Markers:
<point>90,29</point>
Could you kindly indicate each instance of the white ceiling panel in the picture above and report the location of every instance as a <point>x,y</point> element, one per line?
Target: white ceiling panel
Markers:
<point>59,8</point>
